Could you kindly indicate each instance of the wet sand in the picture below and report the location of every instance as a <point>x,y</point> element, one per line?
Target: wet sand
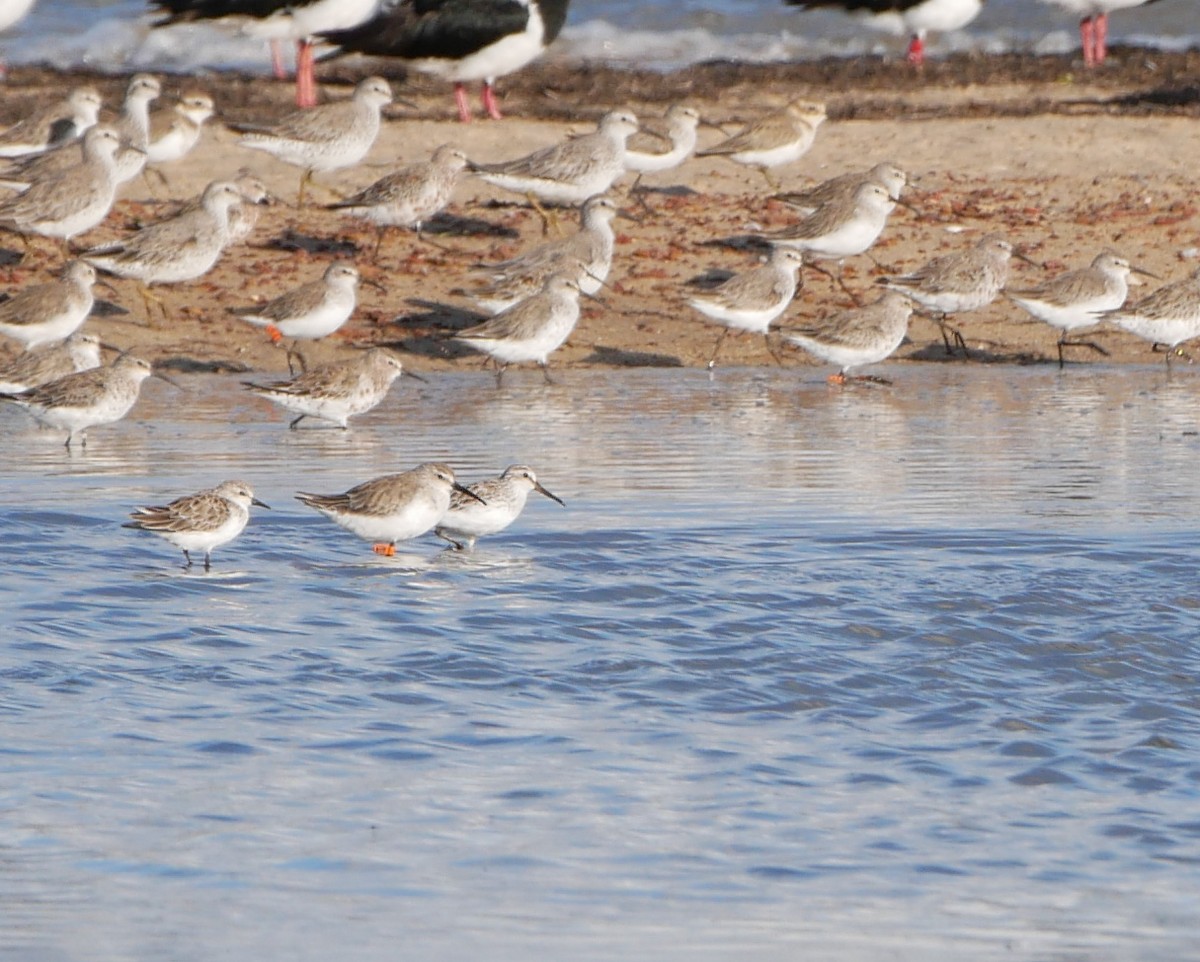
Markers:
<point>1064,161</point>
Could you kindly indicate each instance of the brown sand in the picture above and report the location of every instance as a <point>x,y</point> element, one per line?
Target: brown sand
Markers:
<point>1062,161</point>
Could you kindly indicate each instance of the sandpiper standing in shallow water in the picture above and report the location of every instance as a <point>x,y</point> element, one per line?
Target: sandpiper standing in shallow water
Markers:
<point>200,522</point>
<point>531,329</point>
<point>503,501</point>
<point>954,283</point>
<point>337,391</point>
<point>80,401</point>
<point>1076,299</point>
<point>325,138</point>
<point>1167,317</point>
<point>752,300</point>
<point>780,137</point>
<point>49,312</point>
<point>79,352</point>
<point>409,196</point>
<point>310,311</point>
<point>395,507</point>
<point>858,336</point>
<point>571,172</point>
<point>459,40</point>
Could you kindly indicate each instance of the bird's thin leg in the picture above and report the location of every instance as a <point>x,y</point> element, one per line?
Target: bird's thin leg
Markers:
<point>489,102</point>
<point>771,349</point>
<point>546,372</point>
<point>464,106</point>
<point>187,560</point>
<point>292,425</point>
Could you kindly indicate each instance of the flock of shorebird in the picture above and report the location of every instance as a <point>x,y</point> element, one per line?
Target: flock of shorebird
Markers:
<point>65,169</point>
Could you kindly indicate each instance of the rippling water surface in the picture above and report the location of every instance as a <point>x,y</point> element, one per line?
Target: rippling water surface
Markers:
<point>905,673</point>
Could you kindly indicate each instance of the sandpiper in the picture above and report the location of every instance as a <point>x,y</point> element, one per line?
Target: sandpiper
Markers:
<point>89,398</point>
<point>1076,299</point>
<point>200,522</point>
<point>276,21</point>
<point>531,329</point>
<point>79,352</point>
<point>568,173</point>
<point>45,313</point>
<point>678,130</point>
<point>858,336</point>
<point>912,17</point>
<point>310,311</point>
<point>750,301</point>
<point>459,40</point>
<point>72,201</point>
<point>338,391</point>
<point>395,507</point>
<point>325,138</point>
<point>503,500</point>
<point>177,249</point>
<point>585,256</point>
<point>174,132</point>
<point>839,189</point>
<point>409,196</point>
<point>59,123</point>
<point>1166,317</point>
<point>953,283</point>
<point>780,137</point>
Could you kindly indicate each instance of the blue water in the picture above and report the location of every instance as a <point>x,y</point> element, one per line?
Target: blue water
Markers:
<point>115,33</point>
<point>799,672</point>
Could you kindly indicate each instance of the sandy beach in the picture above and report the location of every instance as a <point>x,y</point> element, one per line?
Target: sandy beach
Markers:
<point>1063,162</point>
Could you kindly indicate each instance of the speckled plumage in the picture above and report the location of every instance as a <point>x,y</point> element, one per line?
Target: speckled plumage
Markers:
<point>337,391</point>
<point>843,227</point>
<point>1168,316</point>
<point>858,336</point>
<point>503,501</point>
<point>200,522</point>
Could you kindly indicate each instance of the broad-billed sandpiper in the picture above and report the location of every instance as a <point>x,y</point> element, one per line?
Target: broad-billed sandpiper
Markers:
<point>49,312</point>
<point>395,507</point>
<point>79,352</point>
<point>503,501</point>
<point>200,522</point>
<point>858,336</point>
<point>531,329</point>
<point>328,137</point>
<point>337,391</point>
<point>568,173</point>
<point>750,301</point>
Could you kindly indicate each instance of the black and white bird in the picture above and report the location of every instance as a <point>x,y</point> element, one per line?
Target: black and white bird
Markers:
<point>458,40</point>
<point>912,17</point>
<point>275,20</point>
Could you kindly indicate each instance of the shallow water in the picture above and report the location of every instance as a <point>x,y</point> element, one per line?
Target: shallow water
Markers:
<point>904,673</point>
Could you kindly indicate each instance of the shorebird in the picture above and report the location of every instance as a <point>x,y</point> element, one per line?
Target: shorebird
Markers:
<point>963,281</point>
<point>677,129</point>
<point>1076,299</point>
<point>1093,23</point>
<point>338,391</point>
<point>463,41</point>
<point>858,336</point>
<point>79,352</point>
<point>323,138</point>
<point>912,17</point>
<point>585,256</point>
<point>750,301</point>
<point>1166,317</point>
<point>531,329</point>
<point>409,196</point>
<point>174,132</point>
<point>503,500</point>
<point>72,201</point>
<point>275,20</point>
<point>310,311</point>
<point>200,522</point>
<point>45,313</point>
<point>395,507</point>
<point>54,125</point>
<point>569,173</point>
<point>840,228</point>
<point>177,249</point>
<point>839,189</point>
<point>780,137</point>
<point>89,398</point>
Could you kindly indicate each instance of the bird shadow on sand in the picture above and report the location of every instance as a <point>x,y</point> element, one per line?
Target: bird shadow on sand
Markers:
<point>428,328</point>
<point>456,225</point>
<point>10,258</point>
<point>740,242</point>
<point>616,357</point>
<point>291,240</point>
